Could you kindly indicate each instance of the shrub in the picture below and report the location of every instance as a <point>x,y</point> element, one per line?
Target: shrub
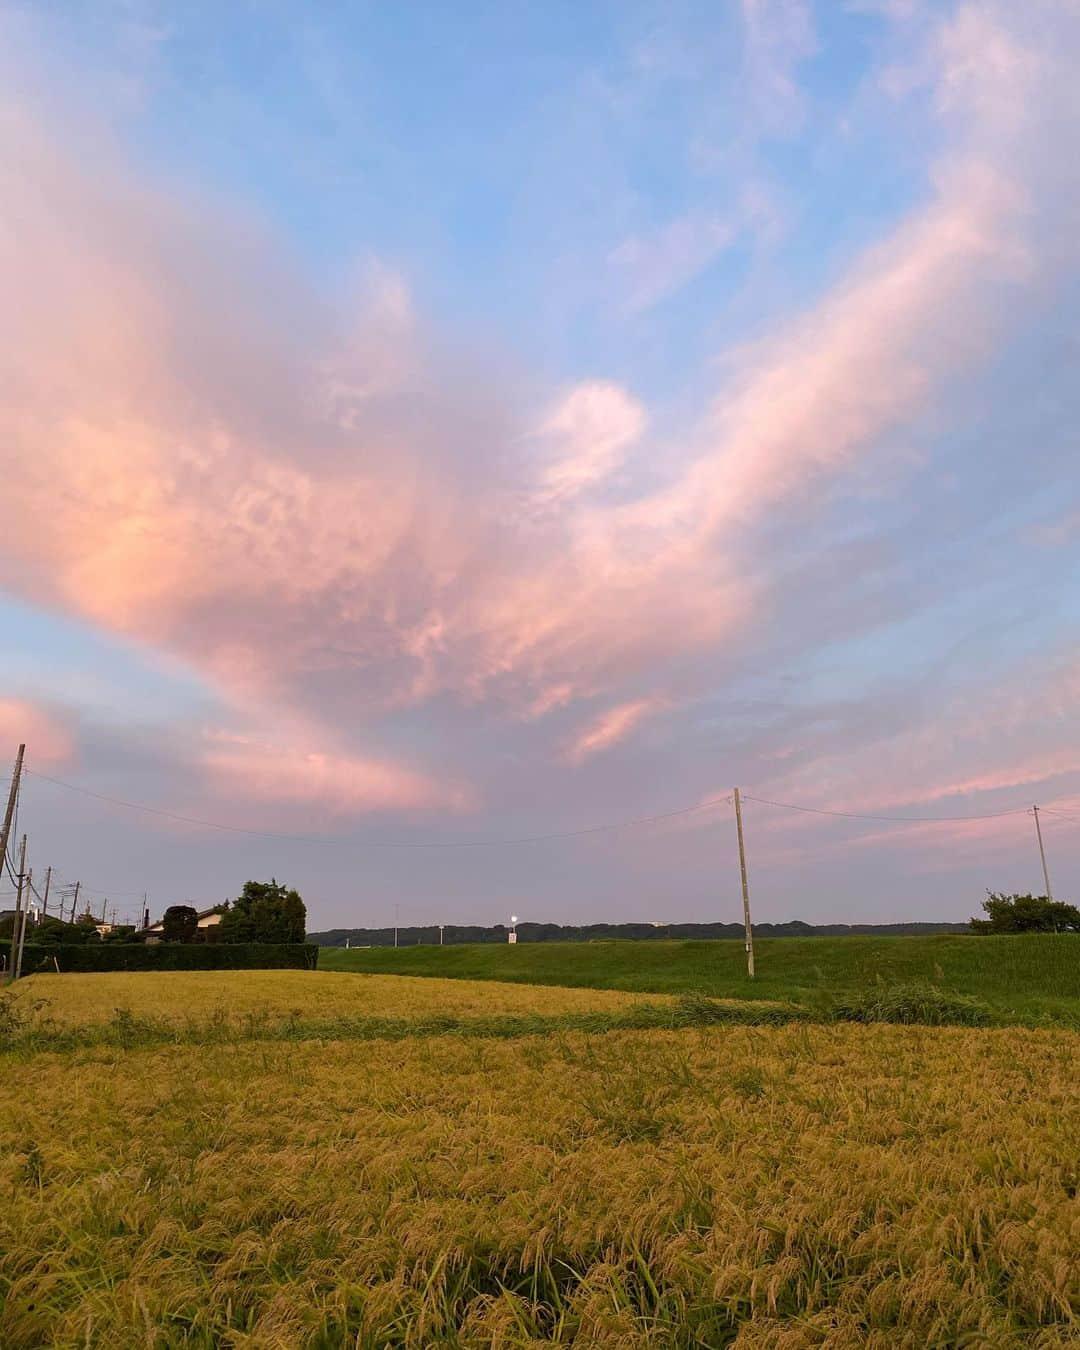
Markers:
<point>924,1004</point>
<point>171,956</point>
<point>1026,914</point>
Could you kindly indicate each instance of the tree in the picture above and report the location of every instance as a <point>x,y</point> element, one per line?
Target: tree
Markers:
<point>179,923</point>
<point>1026,914</point>
<point>264,912</point>
<point>51,931</point>
<point>123,932</point>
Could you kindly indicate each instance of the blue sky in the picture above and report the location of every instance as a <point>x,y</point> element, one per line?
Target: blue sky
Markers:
<point>426,423</point>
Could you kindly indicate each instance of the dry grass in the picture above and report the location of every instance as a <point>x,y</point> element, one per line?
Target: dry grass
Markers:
<point>81,999</point>
<point>786,1187</point>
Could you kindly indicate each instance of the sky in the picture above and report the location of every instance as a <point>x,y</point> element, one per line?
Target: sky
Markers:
<point>429,427</point>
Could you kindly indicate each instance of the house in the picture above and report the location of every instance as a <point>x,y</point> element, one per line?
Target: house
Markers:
<point>207,918</point>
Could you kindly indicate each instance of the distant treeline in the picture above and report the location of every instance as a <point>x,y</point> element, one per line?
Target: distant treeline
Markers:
<point>627,932</point>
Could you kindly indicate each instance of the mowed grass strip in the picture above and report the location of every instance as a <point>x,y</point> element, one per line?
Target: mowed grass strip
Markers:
<point>1030,977</point>
<point>783,1187</point>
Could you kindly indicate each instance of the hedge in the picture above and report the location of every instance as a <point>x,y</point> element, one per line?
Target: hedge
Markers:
<point>168,956</point>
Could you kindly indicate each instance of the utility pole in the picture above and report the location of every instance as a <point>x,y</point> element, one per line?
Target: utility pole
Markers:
<point>9,814</point>
<point>75,901</point>
<point>1042,852</point>
<point>745,888</point>
<point>17,922</point>
<point>45,897</point>
<point>26,909</point>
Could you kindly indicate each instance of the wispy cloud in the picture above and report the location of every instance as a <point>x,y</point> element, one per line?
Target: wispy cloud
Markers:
<point>587,436</point>
<point>650,268</point>
<point>340,784</point>
<point>611,727</point>
<point>779,34</point>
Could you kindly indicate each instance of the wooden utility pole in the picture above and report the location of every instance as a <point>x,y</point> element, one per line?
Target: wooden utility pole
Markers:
<point>1042,852</point>
<point>745,888</point>
<point>45,897</point>
<point>9,814</point>
<point>75,901</point>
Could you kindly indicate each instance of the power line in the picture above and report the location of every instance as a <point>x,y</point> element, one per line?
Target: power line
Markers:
<point>11,874</point>
<point>1060,814</point>
<point>910,820</point>
<point>523,839</point>
<point>383,843</point>
<point>109,892</point>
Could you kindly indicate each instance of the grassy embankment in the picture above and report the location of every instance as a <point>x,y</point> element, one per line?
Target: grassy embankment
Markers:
<point>1020,978</point>
<point>888,1187</point>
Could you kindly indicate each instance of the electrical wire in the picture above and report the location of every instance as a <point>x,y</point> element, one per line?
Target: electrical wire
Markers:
<point>524,839</point>
<point>383,843</point>
<point>1049,810</point>
<point>909,820</point>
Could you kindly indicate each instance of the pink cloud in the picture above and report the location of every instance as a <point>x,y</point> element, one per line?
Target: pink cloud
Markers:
<point>610,727</point>
<point>341,784</point>
<point>47,741</point>
<point>589,433</point>
<point>305,504</point>
<point>957,756</point>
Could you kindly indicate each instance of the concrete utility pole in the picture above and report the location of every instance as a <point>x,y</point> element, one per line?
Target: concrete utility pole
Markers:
<point>1042,852</point>
<point>26,908</point>
<point>745,888</point>
<point>17,922</point>
<point>9,814</point>
<point>45,897</point>
<point>75,901</point>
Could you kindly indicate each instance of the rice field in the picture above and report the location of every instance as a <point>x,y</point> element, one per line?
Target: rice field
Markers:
<point>273,995</point>
<point>788,1186</point>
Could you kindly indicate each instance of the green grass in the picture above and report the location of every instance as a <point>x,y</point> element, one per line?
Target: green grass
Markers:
<point>1028,978</point>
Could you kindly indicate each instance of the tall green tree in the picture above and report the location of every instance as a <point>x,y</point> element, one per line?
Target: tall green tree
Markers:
<point>265,911</point>
<point>180,923</point>
<point>1026,914</point>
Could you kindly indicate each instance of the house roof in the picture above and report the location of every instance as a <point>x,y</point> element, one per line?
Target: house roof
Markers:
<point>199,916</point>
